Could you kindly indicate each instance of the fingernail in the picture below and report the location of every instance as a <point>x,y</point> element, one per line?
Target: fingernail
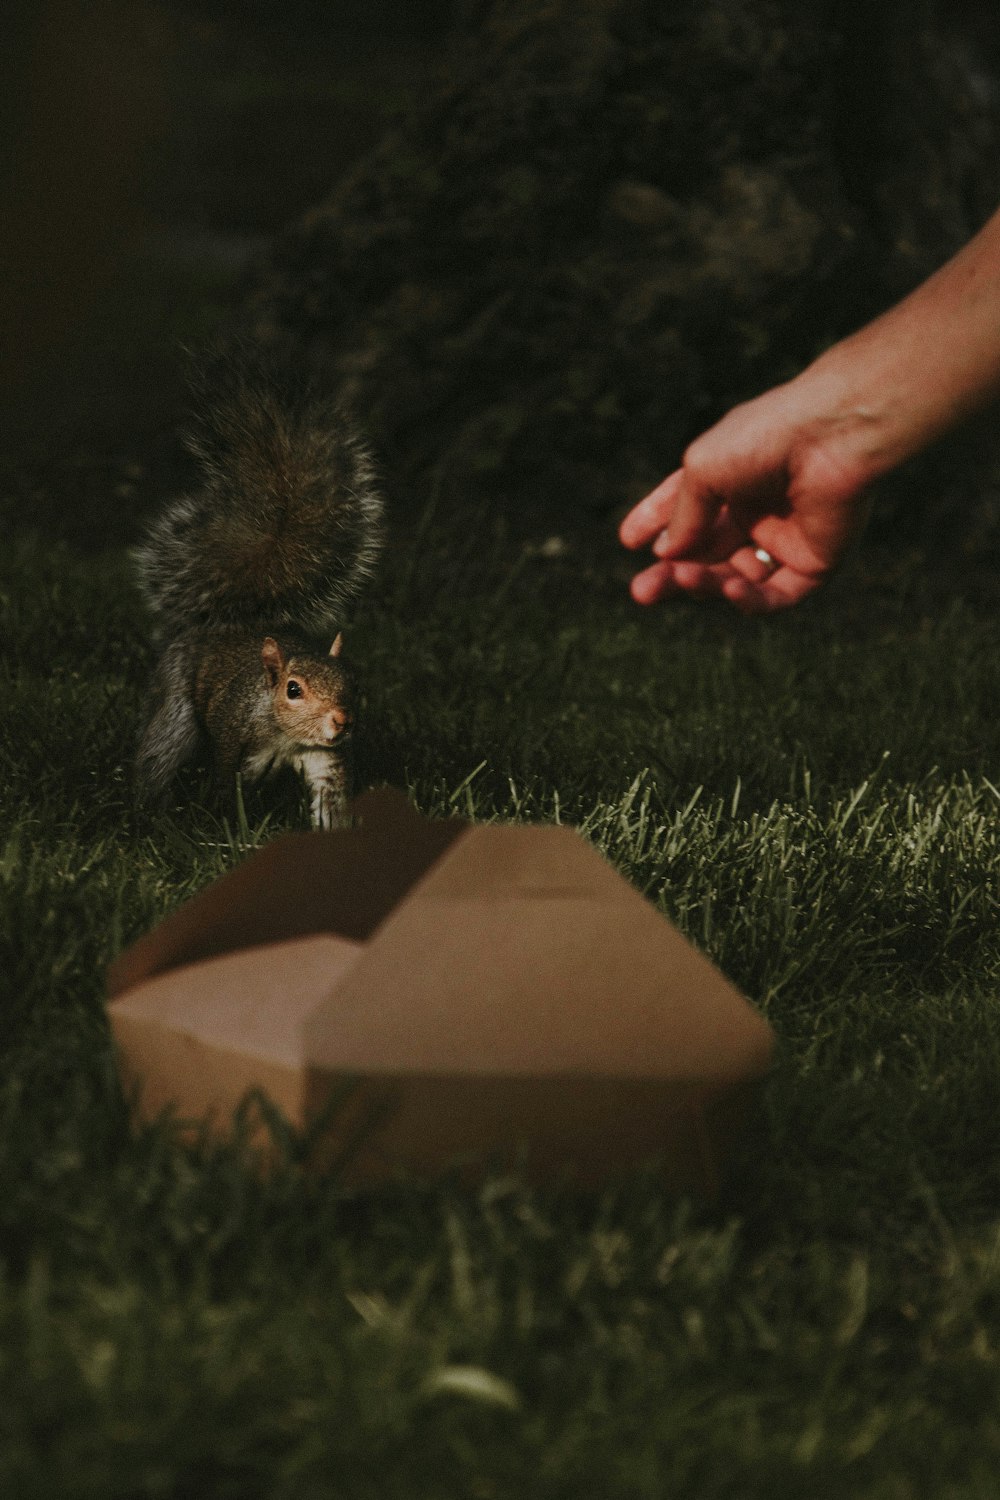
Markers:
<point>662,543</point>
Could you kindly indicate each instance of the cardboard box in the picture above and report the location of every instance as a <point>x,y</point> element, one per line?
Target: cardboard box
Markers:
<point>494,994</point>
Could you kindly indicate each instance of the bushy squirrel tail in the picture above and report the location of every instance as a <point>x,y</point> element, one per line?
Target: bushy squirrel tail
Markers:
<point>285,526</point>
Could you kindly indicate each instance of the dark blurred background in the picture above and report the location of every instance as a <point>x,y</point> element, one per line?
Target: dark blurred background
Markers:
<point>552,241</point>
<point>148,153</point>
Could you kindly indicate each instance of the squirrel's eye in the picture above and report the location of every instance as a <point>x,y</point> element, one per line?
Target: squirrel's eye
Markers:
<point>293,689</point>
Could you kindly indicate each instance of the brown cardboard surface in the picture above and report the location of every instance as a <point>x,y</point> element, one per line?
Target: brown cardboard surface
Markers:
<point>344,882</point>
<point>585,1130</point>
<point>259,996</point>
<point>492,991</point>
<point>523,953</point>
<point>200,1037</point>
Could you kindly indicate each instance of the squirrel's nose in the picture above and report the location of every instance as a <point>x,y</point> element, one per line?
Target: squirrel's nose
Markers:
<point>337,720</point>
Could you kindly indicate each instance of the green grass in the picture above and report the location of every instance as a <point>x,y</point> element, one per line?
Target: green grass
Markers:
<point>813,799</point>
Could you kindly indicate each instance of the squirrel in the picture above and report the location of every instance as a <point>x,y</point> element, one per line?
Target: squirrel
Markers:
<point>248,578</point>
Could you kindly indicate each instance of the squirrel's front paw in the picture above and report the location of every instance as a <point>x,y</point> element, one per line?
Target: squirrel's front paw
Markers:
<point>328,780</point>
<point>327,813</point>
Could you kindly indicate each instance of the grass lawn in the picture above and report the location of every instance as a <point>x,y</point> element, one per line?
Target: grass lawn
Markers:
<point>813,799</point>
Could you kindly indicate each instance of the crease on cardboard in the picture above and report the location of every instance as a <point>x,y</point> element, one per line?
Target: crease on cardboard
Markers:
<point>467,969</point>
<point>258,998</point>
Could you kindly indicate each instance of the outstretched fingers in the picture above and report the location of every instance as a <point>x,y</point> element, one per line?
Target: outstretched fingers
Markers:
<point>707,549</point>
<point>654,584</point>
<point>698,580</point>
<point>680,514</point>
<point>696,510</point>
<point>777,590</point>
<point>752,563</point>
<point>652,515</point>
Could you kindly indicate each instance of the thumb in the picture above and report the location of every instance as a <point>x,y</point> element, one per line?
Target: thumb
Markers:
<point>696,509</point>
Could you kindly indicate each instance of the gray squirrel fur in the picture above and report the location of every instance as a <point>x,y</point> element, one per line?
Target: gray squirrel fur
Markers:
<point>248,579</point>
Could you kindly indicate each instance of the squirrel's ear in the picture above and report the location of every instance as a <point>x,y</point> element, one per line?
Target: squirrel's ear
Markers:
<point>338,644</point>
<point>274,662</point>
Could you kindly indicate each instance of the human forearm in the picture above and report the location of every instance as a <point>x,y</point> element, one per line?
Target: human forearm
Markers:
<point>919,369</point>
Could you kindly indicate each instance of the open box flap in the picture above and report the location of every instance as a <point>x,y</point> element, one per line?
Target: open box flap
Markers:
<point>345,882</point>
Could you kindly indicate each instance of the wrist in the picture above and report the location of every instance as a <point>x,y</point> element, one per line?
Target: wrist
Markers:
<point>924,366</point>
<point>859,403</point>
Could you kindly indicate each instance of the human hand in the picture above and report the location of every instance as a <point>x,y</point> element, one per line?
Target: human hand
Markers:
<point>784,475</point>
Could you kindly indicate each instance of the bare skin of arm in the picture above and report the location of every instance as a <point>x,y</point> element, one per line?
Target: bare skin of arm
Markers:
<point>788,472</point>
